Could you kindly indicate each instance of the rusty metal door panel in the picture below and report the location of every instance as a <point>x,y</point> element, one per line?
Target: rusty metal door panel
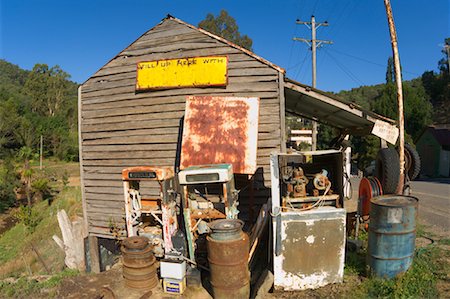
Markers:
<point>312,249</point>
<point>221,130</point>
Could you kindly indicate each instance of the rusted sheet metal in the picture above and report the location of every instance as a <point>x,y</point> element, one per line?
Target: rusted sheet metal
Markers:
<point>150,173</point>
<point>228,251</point>
<point>312,249</point>
<point>221,130</point>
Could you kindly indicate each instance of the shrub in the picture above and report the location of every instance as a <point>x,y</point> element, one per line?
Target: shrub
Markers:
<point>29,217</point>
<point>8,182</point>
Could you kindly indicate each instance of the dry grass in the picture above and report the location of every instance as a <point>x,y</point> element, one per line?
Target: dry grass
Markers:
<point>16,254</point>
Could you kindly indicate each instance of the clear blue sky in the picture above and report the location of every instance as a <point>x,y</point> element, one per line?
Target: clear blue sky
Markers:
<point>81,36</point>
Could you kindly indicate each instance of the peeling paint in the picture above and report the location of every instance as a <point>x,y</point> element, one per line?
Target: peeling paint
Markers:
<point>309,222</point>
<point>313,249</point>
<point>310,239</point>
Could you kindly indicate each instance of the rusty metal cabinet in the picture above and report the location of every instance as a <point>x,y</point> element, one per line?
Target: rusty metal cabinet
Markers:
<point>308,241</point>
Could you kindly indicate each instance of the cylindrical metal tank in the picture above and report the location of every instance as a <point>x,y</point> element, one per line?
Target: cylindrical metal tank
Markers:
<point>139,268</point>
<point>392,234</point>
<point>228,252</point>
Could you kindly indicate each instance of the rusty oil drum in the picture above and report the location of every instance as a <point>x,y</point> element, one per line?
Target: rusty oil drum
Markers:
<point>139,267</point>
<point>228,251</point>
<point>392,234</point>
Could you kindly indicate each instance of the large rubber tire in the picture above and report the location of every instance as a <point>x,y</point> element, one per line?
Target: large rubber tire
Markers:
<point>387,169</point>
<point>412,158</point>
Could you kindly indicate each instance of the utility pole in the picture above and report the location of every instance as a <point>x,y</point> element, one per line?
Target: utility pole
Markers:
<point>398,80</point>
<point>313,43</point>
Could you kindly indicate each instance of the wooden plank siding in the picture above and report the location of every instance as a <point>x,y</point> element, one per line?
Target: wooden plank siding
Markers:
<point>121,128</point>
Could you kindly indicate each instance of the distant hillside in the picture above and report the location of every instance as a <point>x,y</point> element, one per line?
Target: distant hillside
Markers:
<point>42,101</point>
<point>426,102</point>
<point>12,80</point>
<point>363,95</point>
<point>436,93</point>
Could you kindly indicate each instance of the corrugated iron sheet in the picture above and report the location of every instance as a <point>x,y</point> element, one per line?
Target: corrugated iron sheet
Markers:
<point>221,130</point>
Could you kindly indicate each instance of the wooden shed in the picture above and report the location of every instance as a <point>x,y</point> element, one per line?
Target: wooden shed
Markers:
<point>121,126</point>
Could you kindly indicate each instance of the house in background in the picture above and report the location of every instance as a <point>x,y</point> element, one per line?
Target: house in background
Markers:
<point>433,146</point>
<point>301,136</point>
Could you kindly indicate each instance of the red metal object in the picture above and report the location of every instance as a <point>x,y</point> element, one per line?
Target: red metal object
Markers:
<point>368,188</point>
<point>220,130</point>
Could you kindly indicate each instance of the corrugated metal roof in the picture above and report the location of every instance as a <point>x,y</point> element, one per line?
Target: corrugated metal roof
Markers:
<point>315,104</point>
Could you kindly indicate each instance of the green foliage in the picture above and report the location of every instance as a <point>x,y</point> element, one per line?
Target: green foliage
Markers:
<point>386,103</point>
<point>41,102</point>
<point>225,26</point>
<point>12,242</point>
<point>325,135</point>
<point>390,73</point>
<point>41,188</point>
<point>65,178</point>
<point>445,242</point>
<point>430,264</point>
<point>363,95</point>
<point>418,282</point>
<point>365,149</point>
<point>47,88</point>
<point>420,98</point>
<point>355,263</point>
<point>29,217</point>
<point>16,240</point>
<point>437,87</point>
<point>443,63</point>
<point>8,182</point>
<point>417,108</point>
<point>25,287</point>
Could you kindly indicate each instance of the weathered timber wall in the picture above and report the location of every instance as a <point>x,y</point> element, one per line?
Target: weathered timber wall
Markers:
<point>121,128</point>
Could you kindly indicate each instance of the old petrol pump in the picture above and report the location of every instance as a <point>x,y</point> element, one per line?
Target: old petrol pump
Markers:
<point>208,194</point>
<point>307,219</point>
<point>152,216</point>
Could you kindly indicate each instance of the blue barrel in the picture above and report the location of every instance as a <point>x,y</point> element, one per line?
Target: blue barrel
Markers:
<point>392,234</point>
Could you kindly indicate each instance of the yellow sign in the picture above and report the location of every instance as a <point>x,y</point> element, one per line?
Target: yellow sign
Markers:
<point>183,72</point>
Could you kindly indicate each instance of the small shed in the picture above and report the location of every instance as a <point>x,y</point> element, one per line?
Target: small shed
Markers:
<point>124,123</point>
<point>433,146</point>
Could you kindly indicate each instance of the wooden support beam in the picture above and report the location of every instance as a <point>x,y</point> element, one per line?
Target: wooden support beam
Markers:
<point>94,253</point>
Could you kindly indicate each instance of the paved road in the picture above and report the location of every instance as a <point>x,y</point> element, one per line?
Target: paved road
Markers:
<point>434,202</point>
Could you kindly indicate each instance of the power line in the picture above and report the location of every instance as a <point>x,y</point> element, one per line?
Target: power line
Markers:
<point>301,66</point>
<point>292,48</point>
<point>315,6</point>
<point>340,14</point>
<point>349,73</point>
<point>332,10</point>
<point>368,61</point>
